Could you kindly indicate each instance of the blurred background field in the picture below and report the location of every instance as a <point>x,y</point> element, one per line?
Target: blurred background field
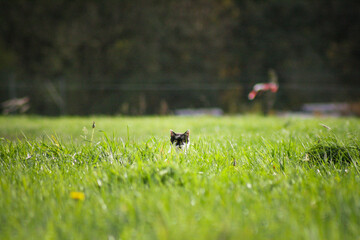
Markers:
<point>12,127</point>
<point>155,57</point>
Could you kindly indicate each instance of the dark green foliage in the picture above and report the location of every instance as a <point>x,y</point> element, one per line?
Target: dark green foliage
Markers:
<point>331,153</point>
<point>142,56</point>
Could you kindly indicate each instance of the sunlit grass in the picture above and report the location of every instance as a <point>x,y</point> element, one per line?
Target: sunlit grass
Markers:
<point>243,178</point>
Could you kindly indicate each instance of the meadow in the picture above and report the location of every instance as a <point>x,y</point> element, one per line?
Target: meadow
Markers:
<point>244,177</point>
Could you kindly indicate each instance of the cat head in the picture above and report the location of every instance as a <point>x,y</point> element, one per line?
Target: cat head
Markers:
<point>180,140</point>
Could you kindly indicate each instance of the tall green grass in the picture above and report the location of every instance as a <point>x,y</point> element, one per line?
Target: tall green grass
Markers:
<point>243,178</point>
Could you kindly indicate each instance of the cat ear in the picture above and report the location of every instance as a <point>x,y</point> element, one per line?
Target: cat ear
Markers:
<point>172,133</point>
<point>187,132</point>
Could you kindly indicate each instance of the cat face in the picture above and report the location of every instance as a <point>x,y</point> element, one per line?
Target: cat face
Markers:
<point>180,140</point>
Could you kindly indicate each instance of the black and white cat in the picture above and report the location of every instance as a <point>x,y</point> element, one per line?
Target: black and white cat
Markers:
<point>180,140</point>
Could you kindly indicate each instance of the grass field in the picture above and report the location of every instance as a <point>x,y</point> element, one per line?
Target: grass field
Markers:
<point>243,178</point>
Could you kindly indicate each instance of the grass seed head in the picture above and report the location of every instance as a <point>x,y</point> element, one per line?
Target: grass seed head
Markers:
<point>234,162</point>
<point>325,126</point>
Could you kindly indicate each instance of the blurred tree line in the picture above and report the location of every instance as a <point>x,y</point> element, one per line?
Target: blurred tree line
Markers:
<point>153,56</point>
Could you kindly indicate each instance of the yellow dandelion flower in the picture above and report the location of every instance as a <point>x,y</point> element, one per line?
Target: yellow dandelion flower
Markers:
<point>77,195</point>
